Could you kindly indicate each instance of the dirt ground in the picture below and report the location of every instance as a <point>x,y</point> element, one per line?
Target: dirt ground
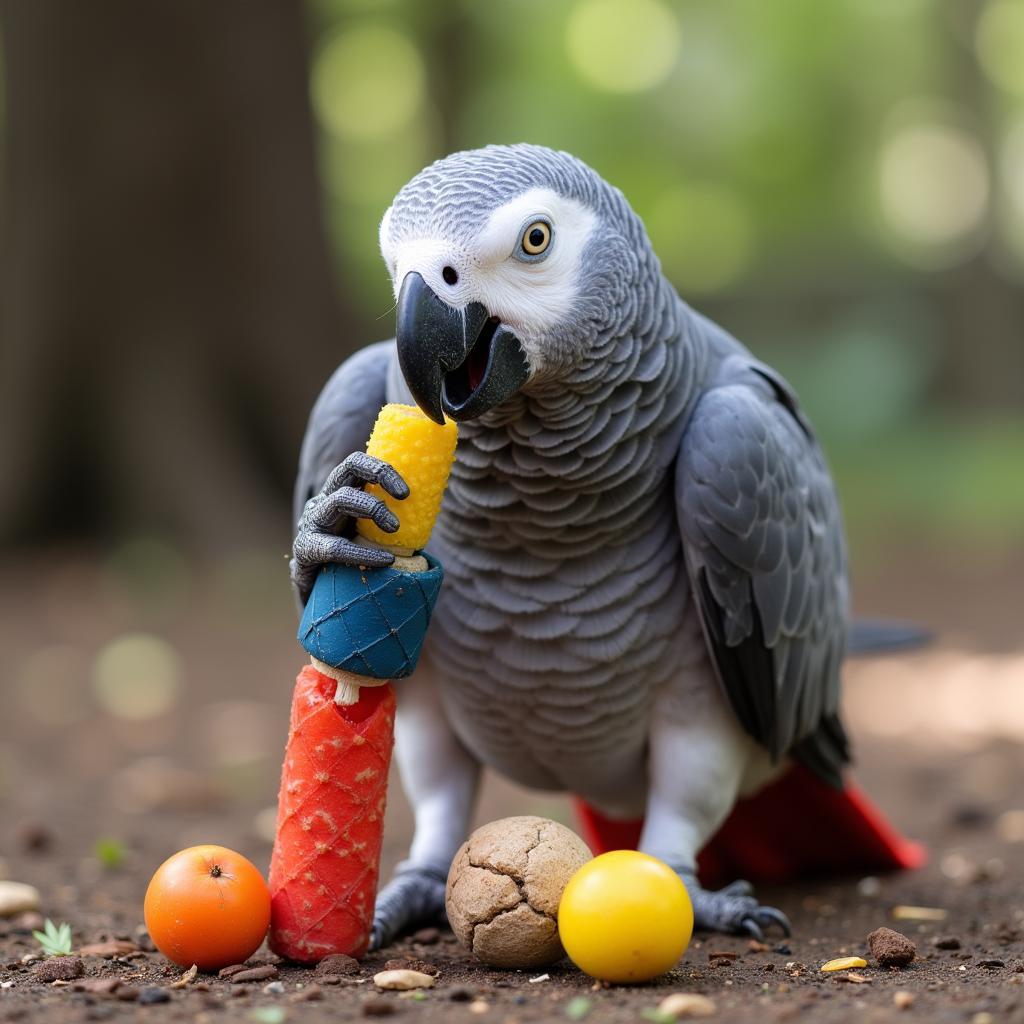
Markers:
<point>109,764</point>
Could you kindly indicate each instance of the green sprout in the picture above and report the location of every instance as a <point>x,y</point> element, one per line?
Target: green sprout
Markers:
<point>577,1008</point>
<point>110,853</point>
<point>55,940</point>
<point>658,1016</point>
<point>268,1015</point>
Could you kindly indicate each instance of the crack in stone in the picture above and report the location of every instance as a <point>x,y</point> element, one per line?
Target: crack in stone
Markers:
<point>543,913</point>
<point>520,883</point>
<point>515,878</point>
<point>506,910</point>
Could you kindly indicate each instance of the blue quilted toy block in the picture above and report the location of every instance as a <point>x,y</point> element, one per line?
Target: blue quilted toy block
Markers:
<point>370,621</point>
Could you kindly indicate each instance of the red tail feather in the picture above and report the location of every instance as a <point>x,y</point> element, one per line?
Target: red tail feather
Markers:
<point>796,827</point>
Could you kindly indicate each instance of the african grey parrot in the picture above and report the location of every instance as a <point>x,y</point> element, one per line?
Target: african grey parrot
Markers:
<point>646,597</point>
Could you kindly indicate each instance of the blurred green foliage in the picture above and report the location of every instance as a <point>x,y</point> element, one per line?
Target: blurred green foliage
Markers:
<point>828,180</point>
<point>110,853</point>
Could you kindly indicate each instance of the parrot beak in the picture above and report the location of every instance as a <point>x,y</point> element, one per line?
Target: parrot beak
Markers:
<point>456,362</point>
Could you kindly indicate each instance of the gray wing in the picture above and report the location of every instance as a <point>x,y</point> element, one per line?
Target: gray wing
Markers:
<point>342,417</point>
<point>765,553</point>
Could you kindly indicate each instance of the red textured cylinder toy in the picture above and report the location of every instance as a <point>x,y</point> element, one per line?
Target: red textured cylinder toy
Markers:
<point>362,628</point>
<point>323,873</point>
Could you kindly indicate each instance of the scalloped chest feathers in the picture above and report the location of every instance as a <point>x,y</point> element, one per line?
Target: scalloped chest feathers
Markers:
<point>565,594</point>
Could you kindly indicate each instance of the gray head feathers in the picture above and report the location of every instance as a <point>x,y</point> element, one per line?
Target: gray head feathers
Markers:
<point>618,292</point>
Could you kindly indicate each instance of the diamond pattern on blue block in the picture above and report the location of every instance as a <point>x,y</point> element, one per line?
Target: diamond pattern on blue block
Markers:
<point>370,621</point>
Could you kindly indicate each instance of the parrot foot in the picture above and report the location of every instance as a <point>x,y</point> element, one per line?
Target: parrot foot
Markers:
<point>327,514</point>
<point>732,910</point>
<point>413,898</point>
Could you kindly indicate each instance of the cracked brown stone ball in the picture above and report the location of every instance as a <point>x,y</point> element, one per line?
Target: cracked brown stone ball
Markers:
<point>504,888</point>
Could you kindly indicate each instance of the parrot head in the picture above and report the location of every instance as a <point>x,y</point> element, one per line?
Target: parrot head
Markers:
<point>512,267</point>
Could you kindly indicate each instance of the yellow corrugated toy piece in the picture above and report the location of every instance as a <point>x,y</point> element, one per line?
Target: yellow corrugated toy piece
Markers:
<point>423,453</point>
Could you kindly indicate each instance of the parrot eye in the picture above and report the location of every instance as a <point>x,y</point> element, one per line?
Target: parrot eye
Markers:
<point>536,238</point>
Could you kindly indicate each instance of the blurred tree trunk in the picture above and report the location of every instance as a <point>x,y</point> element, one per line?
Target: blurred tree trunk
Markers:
<point>981,306</point>
<point>167,305</point>
<point>448,38</point>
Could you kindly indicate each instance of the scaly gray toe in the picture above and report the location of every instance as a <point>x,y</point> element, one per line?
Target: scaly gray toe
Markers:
<point>733,910</point>
<point>413,898</point>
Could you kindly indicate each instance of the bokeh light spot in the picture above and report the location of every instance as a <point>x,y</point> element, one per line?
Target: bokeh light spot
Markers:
<point>7,776</point>
<point>999,41</point>
<point>1012,167</point>
<point>264,824</point>
<point>367,82</point>
<point>249,588</point>
<point>622,47</point>
<point>372,172</point>
<point>137,676</point>
<point>889,9</point>
<point>52,685</point>
<point>239,730</point>
<point>934,190</point>
<point>703,236</point>
<point>146,573</point>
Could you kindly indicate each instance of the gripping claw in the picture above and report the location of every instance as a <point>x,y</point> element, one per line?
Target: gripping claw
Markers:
<point>732,910</point>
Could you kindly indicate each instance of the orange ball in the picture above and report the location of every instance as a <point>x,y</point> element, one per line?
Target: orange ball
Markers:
<point>209,906</point>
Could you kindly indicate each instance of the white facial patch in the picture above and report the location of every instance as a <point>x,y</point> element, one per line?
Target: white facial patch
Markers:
<point>531,297</point>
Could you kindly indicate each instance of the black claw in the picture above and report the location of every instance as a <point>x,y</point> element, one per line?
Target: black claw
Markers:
<point>363,505</point>
<point>325,512</point>
<point>370,469</point>
<point>741,887</point>
<point>341,551</point>
<point>385,519</point>
<point>770,916</point>
<point>752,928</point>
<point>374,558</point>
<point>392,482</point>
<point>321,528</point>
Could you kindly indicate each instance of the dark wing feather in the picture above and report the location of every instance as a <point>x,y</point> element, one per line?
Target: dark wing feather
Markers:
<point>764,548</point>
<point>342,417</point>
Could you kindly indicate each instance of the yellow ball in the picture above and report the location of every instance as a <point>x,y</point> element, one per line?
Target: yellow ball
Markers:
<point>625,917</point>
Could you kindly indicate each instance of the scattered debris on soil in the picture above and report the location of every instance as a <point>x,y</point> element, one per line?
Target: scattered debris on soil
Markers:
<point>409,964</point>
<point>843,963</point>
<point>854,978</point>
<point>891,948</point>
<point>33,836</point>
<point>264,973</point>
<point>230,971</point>
<point>187,978</point>
<point>337,965</point>
<point>955,979</point>
<point>686,1004</point>
<point>402,981</point>
<point>110,948</point>
<point>378,1007</point>
<point>17,898</point>
<point>151,996</point>
<point>60,968</point>
<point>904,912</point>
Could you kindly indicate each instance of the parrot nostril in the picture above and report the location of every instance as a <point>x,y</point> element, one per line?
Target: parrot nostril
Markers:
<point>449,275</point>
